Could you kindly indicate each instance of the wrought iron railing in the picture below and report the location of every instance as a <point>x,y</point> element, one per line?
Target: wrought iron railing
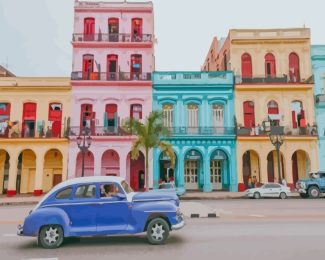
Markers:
<point>271,79</point>
<point>288,131</point>
<point>111,37</point>
<point>98,131</point>
<point>204,131</point>
<point>109,76</point>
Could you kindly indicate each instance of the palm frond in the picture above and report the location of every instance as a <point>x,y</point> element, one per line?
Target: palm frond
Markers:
<point>167,149</point>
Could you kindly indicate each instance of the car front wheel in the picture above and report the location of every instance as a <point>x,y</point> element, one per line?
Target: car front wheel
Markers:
<point>257,195</point>
<point>51,236</point>
<point>313,192</point>
<point>283,195</point>
<point>157,231</point>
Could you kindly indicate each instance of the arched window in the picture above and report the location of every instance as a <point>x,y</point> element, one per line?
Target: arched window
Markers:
<point>273,112</point>
<point>294,67</point>
<point>136,111</point>
<point>270,67</point>
<point>87,117</point>
<point>218,115</point>
<point>168,112</point>
<point>136,29</point>
<point>113,29</point>
<point>112,63</point>
<point>89,29</point>
<point>111,118</point>
<point>249,114</point>
<point>246,66</point>
<point>193,117</point>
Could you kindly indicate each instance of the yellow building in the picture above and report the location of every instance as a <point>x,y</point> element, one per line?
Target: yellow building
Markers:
<point>273,88</point>
<point>34,116</point>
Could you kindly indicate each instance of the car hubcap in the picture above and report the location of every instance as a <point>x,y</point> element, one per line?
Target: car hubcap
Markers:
<point>314,193</point>
<point>51,235</point>
<point>157,232</point>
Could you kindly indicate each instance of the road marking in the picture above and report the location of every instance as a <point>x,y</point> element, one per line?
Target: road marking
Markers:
<point>9,235</point>
<point>257,216</point>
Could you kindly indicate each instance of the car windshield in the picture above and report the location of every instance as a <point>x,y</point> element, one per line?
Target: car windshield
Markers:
<point>166,186</point>
<point>126,187</point>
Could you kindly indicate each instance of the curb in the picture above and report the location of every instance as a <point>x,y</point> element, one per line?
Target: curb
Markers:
<point>212,198</point>
<point>18,203</point>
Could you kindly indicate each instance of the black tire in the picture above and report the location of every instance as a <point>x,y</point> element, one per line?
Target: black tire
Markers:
<point>51,236</point>
<point>283,195</point>
<point>157,231</point>
<point>257,195</point>
<point>313,192</point>
<point>304,195</point>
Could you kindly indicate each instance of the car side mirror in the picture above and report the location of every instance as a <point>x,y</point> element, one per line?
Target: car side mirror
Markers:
<point>121,196</point>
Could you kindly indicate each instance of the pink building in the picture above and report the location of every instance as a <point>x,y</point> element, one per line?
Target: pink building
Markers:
<point>113,57</point>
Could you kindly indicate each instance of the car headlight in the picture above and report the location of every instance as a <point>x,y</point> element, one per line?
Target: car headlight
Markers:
<point>303,185</point>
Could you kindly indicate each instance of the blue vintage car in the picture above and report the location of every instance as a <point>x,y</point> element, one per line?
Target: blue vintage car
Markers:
<point>171,187</point>
<point>101,206</point>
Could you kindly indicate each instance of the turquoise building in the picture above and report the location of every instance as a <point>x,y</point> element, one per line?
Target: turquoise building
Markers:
<point>198,108</point>
<point>318,64</point>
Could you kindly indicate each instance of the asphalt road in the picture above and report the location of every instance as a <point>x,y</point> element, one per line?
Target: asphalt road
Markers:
<point>246,229</point>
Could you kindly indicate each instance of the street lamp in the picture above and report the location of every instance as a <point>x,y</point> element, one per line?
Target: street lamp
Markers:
<point>277,138</point>
<point>84,143</point>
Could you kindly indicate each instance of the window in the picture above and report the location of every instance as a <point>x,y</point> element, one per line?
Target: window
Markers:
<point>87,116</point>
<point>109,190</point>
<point>86,191</point>
<point>294,71</point>
<point>113,29</point>
<point>89,29</point>
<point>218,115</point>
<point>29,120</point>
<point>249,116</point>
<point>136,66</point>
<point>273,112</point>
<point>193,117</point>
<point>168,112</point>
<point>246,66</point>
<point>298,114</point>
<point>270,70</point>
<point>136,29</point>
<point>112,67</point>
<point>136,111</point>
<point>64,194</point>
<point>4,118</point>
<point>126,187</point>
<point>53,127</point>
<point>111,117</point>
<point>88,67</point>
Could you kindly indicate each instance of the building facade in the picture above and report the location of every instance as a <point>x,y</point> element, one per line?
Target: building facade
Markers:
<point>113,57</point>
<point>273,88</point>
<point>34,117</point>
<point>318,63</point>
<point>198,109</point>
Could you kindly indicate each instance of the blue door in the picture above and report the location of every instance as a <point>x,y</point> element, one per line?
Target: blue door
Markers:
<point>82,210</point>
<point>113,213</point>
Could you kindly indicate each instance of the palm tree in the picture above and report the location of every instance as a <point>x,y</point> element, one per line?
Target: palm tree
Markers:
<point>149,136</point>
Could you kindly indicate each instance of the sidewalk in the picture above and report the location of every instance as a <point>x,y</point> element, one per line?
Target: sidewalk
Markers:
<point>19,200</point>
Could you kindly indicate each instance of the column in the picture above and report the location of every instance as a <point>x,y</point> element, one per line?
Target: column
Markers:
<point>207,187</point>
<point>123,156</point>
<point>263,168</point>
<point>180,173</point>
<point>38,189</point>
<point>72,162</point>
<point>13,163</point>
<point>97,161</point>
<point>156,168</point>
<point>64,165</point>
<point>233,176</point>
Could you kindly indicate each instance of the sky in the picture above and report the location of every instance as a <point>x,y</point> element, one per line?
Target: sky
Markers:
<point>35,35</point>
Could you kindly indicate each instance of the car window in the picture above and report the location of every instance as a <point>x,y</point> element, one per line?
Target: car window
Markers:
<point>267,186</point>
<point>126,187</point>
<point>85,191</point>
<point>109,190</point>
<point>322,175</point>
<point>275,186</point>
<point>64,194</point>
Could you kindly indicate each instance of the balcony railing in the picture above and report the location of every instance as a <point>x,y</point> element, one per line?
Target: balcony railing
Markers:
<point>112,37</point>
<point>270,79</point>
<point>17,131</point>
<point>108,76</point>
<point>98,131</point>
<point>288,131</point>
<point>203,131</point>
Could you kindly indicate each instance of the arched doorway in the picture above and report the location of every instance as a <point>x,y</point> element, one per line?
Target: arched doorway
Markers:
<point>89,164</point>
<point>166,172</point>
<point>25,182</point>
<point>193,178</point>
<point>137,172</point>
<point>110,163</point>
<point>52,173</point>
<point>251,168</point>
<point>219,170</point>
<point>272,167</point>
<point>4,171</point>
<point>300,165</point>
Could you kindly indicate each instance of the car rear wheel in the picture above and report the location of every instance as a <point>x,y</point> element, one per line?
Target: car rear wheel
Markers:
<point>157,231</point>
<point>313,192</point>
<point>283,195</point>
<point>257,195</point>
<point>51,236</point>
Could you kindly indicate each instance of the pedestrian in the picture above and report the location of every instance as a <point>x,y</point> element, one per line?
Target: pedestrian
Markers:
<point>254,181</point>
<point>250,183</point>
<point>284,182</point>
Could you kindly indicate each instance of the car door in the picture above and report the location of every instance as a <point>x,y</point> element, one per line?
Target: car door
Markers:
<point>267,191</point>
<point>113,214</point>
<point>82,210</point>
<point>276,190</point>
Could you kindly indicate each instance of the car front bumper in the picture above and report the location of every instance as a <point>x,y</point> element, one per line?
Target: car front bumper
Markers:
<point>20,230</point>
<point>178,225</point>
<point>301,191</point>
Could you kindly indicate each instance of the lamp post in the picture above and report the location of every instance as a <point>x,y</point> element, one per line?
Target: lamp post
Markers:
<point>277,138</point>
<point>84,142</point>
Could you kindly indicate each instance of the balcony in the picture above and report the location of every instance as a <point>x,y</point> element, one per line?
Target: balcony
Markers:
<point>104,76</point>
<point>202,131</point>
<point>17,132</point>
<point>112,37</point>
<point>272,80</point>
<point>288,131</point>
<point>98,131</point>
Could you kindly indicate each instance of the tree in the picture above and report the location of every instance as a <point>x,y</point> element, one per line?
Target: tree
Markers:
<point>149,136</point>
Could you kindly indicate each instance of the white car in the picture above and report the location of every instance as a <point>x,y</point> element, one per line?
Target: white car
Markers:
<point>269,190</point>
